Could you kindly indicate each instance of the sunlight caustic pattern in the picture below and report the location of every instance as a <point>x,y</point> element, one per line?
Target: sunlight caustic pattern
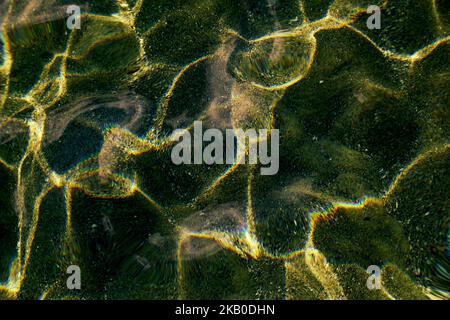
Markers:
<point>86,129</point>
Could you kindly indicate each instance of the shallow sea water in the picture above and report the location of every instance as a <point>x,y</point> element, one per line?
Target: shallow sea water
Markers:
<point>87,122</point>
